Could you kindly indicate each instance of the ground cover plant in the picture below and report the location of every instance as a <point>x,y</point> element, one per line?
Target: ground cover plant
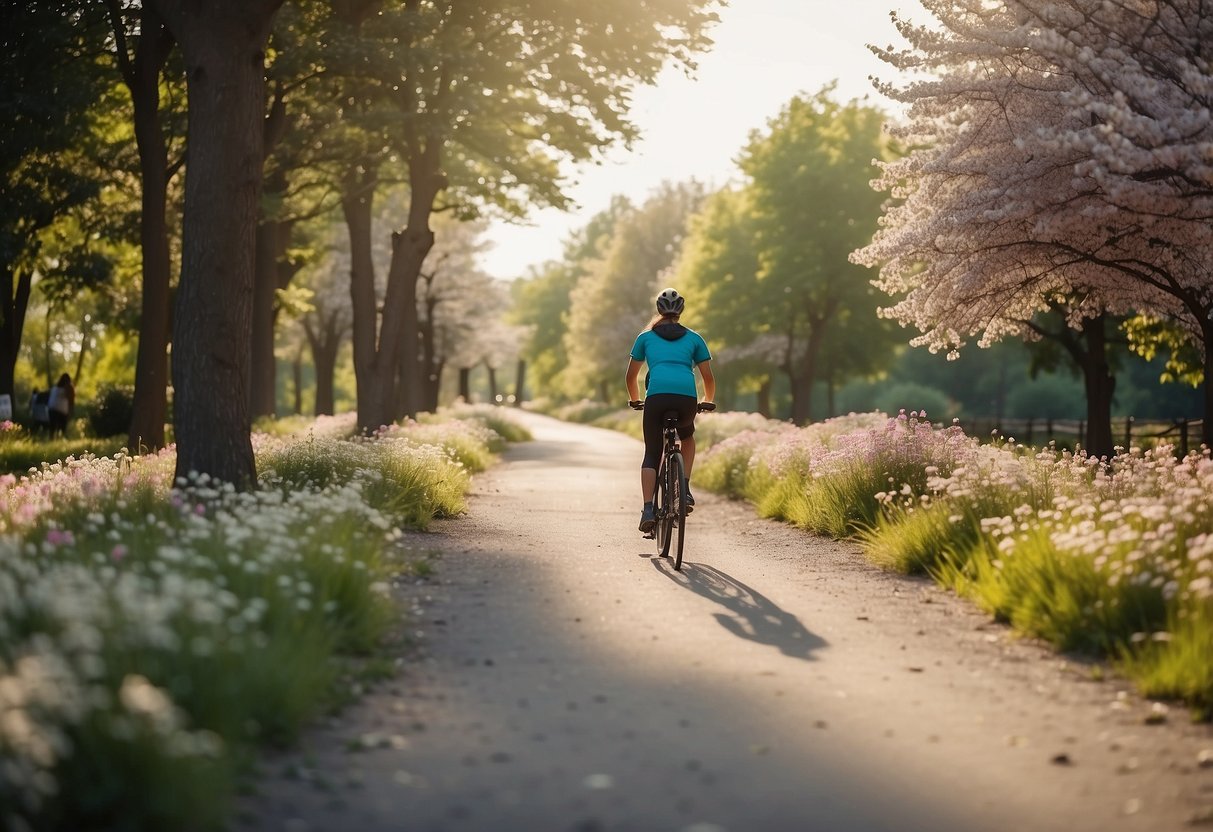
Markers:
<point>22,449</point>
<point>154,633</point>
<point>1109,557</point>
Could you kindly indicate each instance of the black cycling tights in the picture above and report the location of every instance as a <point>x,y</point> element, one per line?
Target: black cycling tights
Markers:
<point>656,407</point>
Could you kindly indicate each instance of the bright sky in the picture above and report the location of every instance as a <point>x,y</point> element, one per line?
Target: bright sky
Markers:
<point>766,52</point>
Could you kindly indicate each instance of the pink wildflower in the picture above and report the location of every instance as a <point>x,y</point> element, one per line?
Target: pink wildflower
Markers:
<point>60,537</point>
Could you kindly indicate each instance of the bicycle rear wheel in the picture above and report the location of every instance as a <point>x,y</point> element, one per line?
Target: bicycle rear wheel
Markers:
<point>678,506</point>
<point>664,509</point>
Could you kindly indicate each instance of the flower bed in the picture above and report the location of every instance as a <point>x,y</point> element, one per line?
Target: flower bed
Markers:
<point>152,634</point>
<point>1113,558</point>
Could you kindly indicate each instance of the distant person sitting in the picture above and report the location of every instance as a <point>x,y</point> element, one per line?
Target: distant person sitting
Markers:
<point>60,405</point>
<point>39,411</point>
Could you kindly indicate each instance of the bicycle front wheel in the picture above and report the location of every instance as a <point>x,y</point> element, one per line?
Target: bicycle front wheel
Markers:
<point>665,510</point>
<point>678,517</point>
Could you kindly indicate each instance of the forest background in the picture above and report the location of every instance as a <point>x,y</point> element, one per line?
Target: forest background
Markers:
<point>391,134</point>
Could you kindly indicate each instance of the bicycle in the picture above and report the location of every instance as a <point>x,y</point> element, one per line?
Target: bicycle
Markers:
<point>668,503</point>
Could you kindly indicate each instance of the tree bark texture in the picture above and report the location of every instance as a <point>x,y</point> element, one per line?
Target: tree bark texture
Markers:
<point>357,204</point>
<point>14,301</point>
<point>398,339</point>
<point>325,342</point>
<point>1100,384</point>
<point>434,386</point>
<point>764,398</point>
<point>804,374</point>
<point>1206,423</point>
<point>431,367</point>
<point>150,405</point>
<point>297,378</point>
<point>465,384</point>
<point>400,319</point>
<point>271,274</point>
<point>520,383</point>
<point>224,48</point>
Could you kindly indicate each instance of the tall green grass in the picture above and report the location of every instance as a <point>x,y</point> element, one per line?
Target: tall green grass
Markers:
<point>19,456</point>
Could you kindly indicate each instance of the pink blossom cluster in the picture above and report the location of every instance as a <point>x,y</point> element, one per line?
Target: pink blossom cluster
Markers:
<point>1061,160</point>
<point>76,483</point>
<point>907,445</point>
<point>1143,519</point>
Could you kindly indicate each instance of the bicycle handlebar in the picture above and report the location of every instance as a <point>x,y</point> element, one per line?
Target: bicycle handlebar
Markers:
<point>702,407</point>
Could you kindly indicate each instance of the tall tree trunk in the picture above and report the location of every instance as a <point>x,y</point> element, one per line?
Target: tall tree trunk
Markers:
<point>297,377</point>
<point>430,370</point>
<point>223,43</point>
<point>150,405</point>
<point>802,398</point>
<point>273,239</point>
<point>357,204</point>
<point>1206,423</point>
<point>325,361</point>
<point>465,384</point>
<point>400,403</point>
<point>805,375</point>
<point>85,331</point>
<point>271,272</point>
<point>433,387</point>
<point>409,249</point>
<point>764,398</point>
<point>398,336</point>
<point>493,397</point>
<point>830,391</point>
<point>13,305</point>
<point>325,343</point>
<point>520,383</point>
<point>1100,384</point>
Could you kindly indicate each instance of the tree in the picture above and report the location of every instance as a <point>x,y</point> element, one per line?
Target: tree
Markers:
<point>141,48</point>
<point>810,205</point>
<point>718,270</point>
<point>223,43</point>
<point>541,301</point>
<point>298,183</point>
<point>613,301</point>
<point>327,324</point>
<point>1059,165</point>
<point>488,100</point>
<point>459,306</point>
<point>47,96</point>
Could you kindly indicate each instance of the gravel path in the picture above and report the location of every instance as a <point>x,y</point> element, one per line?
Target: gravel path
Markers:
<point>565,679</point>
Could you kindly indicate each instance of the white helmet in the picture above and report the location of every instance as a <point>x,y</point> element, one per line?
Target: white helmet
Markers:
<point>669,302</point>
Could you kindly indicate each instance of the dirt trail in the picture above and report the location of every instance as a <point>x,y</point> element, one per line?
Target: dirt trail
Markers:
<point>568,680</point>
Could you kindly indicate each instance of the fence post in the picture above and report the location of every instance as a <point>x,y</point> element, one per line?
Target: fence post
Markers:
<point>1128,432</point>
<point>1183,438</point>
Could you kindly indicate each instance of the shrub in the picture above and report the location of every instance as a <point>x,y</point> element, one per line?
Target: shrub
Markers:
<point>112,411</point>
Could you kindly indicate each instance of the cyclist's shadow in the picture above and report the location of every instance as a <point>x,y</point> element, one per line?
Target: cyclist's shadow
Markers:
<point>751,615</point>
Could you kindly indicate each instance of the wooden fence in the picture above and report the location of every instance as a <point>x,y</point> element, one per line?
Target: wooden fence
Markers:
<point>1184,434</point>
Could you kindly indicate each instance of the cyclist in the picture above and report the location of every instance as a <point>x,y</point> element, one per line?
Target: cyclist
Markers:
<point>672,352</point>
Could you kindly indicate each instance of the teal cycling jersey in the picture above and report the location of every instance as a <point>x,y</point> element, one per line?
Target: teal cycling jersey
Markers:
<point>671,351</point>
